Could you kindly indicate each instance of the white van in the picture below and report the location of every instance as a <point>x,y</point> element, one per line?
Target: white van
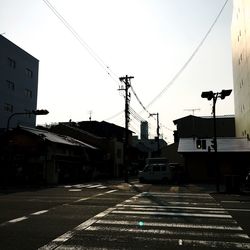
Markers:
<point>156,172</point>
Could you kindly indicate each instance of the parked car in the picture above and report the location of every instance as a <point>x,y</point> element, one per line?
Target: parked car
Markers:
<point>156,172</point>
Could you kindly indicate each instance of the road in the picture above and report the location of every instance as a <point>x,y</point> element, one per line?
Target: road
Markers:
<point>116,215</point>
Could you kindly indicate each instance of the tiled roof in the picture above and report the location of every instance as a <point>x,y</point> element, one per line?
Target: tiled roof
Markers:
<point>56,138</point>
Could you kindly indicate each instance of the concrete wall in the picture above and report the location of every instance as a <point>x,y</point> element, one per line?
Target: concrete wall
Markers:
<point>18,84</point>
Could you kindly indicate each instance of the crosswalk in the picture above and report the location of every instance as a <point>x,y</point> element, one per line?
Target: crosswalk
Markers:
<point>161,221</point>
<point>79,187</point>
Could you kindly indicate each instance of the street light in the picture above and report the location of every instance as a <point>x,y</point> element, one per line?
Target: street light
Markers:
<point>211,95</point>
<point>34,112</point>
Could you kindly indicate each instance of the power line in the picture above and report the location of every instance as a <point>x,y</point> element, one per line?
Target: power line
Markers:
<point>136,96</point>
<point>136,115</point>
<point>190,58</point>
<point>114,116</point>
<point>96,57</point>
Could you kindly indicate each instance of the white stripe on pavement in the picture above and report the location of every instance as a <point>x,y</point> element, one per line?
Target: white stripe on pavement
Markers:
<point>174,214</point>
<point>18,219</point>
<point>174,207</point>
<point>96,195</point>
<point>111,191</point>
<point>199,243</point>
<point>168,232</point>
<point>74,190</point>
<point>68,235</point>
<point>178,195</point>
<point>171,225</point>
<point>94,186</point>
<point>40,212</point>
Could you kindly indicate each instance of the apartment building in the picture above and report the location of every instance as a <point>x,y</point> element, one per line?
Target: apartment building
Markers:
<point>240,32</point>
<point>18,85</point>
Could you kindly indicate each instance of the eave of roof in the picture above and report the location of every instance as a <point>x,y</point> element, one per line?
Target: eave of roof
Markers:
<point>56,138</point>
<point>225,144</point>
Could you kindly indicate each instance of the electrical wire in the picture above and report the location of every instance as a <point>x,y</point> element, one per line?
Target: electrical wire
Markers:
<point>189,59</point>
<point>97,58</point>
<point>115,77</point>
<point>136,115</point>
<point>114,116</point>
<point>136,96</point>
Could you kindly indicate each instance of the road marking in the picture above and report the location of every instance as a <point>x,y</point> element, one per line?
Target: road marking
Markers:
<point>74,190</point>
<point>174,194</point>
<point>98,223</point>
<point>238,209</point>
<point>96,195</point>
<point>111,191</point>
<point>40,212</point>
<point>235,202</point>
<point>168,232</point>
<point>173,207</point>
<point>45,211</point>
<point>199,243</point>
<point>193,203</point>
<point>178,195</point>
<point>95,186</point>
<point>171,225</point>
<point>68,235</point>
<point>174,214</point>
<point>18,219</point>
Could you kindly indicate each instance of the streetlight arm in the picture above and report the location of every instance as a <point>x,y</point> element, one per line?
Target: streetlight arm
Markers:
<point>34,112</point>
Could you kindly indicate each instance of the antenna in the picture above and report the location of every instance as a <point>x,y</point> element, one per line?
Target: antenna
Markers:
<point>90,115</point>
<point>193,110</point>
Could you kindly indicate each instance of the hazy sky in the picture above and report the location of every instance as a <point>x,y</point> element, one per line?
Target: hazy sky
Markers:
<point>147,39</point>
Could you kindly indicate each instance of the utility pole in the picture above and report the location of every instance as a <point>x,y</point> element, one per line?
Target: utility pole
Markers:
<point>126,80</point>
<point>157,131</point>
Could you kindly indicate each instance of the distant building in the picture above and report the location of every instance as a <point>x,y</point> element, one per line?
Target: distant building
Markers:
<point>189,128</point>
<point>194,126</point>
<point>233,158</point>
<point>108,160</point>
<point>18,84</point>
<point>144,130</point>
<point>33,156</point>
<point>149,147</point>
<point>240,32</point>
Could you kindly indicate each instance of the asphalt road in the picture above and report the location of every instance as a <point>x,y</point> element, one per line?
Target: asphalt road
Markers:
<point>115,215</point>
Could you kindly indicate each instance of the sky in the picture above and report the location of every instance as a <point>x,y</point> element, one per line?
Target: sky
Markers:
<point>150,40</point>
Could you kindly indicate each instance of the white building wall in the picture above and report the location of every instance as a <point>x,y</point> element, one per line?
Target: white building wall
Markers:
<point>240,31</point>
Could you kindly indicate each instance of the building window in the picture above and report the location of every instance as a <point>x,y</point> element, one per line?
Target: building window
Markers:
<point>8,107</point>
<point>12,63</point>
<point>28,93</point>
<point>29,73</point>
<point>10,85</point>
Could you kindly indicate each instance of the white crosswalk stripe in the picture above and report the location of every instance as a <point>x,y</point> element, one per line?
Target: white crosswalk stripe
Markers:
<point>209,222</point>
<point>80,187</point>
<point>160,221</point>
